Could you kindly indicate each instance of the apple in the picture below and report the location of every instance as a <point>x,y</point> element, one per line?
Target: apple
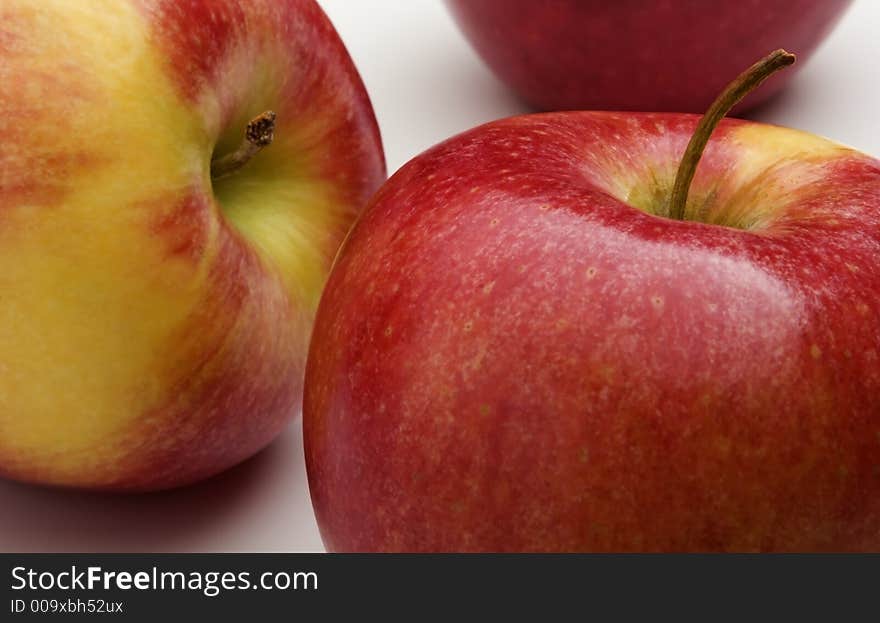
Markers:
<point>160,268</point>
<point>555,332</point>
<point>638,54</point>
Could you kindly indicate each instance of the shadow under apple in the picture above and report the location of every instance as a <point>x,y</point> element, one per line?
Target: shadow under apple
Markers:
<point>238,510</point>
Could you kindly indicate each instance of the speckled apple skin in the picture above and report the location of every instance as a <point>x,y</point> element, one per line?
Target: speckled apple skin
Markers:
<point>510,356</point>
<point>672,55</point>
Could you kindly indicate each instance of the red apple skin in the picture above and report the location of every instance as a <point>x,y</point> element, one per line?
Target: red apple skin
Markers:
<point>638,54</point>
<point>509,357</point>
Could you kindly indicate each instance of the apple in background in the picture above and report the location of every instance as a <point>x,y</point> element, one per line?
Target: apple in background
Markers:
<point>160,272</point>
<point>637,54</point>
<point>531,340</point>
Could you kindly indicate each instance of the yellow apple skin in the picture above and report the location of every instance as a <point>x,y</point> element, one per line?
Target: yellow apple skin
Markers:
<point>154,324</point>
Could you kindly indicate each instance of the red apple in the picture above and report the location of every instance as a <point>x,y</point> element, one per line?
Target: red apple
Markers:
<point>523,346</point>
<point>159,282</point>
<point>637,54</point>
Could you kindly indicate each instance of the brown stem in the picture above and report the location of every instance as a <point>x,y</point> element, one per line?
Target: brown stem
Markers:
<point>746,82</point>
<point>258,134</point>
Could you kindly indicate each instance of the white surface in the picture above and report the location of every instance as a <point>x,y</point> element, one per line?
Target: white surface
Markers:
<point>426,85</point>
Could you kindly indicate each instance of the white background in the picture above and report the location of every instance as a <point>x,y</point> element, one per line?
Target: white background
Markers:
<point>426,84</point>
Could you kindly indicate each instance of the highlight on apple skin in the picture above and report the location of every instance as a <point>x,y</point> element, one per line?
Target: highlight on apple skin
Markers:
<point>154,322</point>
<point>638,54</point>
<point>515,351</point>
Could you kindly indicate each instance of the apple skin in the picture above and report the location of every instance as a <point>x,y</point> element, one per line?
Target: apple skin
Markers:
<point>515,351</point>
<point>638,54</point>
<point>153,324</point>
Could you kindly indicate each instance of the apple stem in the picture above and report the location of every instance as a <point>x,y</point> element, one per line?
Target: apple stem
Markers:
<point>258,134</point>
<point>744,84</point>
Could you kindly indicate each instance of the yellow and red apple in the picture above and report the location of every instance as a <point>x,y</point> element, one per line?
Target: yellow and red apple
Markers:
<point>154,321</point>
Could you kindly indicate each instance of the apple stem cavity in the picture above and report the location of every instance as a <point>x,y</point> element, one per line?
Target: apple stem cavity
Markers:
<point>259,133</point>
<point>744,84</point>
